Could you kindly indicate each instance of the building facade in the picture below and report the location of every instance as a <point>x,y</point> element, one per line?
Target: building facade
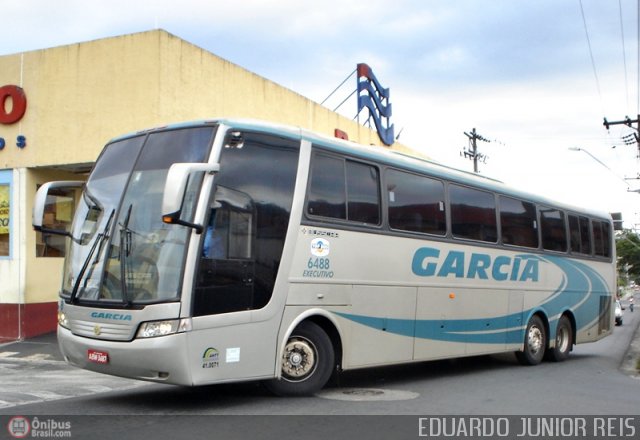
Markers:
<point>59,106</point>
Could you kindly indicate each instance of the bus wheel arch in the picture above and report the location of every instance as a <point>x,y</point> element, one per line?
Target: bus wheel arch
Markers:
<point>308,359</point>
<point>535,340</point>
<point>564,340</point>
<point>334,335</point>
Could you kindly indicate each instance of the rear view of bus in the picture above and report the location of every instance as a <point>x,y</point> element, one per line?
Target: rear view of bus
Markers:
<point>178,230</point>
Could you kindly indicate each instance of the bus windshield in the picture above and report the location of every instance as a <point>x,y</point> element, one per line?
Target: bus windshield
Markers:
<point>121,252</point>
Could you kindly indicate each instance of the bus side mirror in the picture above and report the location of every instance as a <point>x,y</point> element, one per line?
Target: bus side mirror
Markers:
<point>45,198</point>
<point>174,191</point>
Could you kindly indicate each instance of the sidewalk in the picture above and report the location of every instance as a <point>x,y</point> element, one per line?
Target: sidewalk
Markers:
<point>631,361</point>
<point>34,371</point>
<point>44,347</point>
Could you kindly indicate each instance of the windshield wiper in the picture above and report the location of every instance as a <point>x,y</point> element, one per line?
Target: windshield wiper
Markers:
<point>124,251</point>
<point>100,239</point>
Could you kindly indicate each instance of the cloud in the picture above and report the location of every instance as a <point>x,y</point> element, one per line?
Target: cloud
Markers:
<point>519,72</point>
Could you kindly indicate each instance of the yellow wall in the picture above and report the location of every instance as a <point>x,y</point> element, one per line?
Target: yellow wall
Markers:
<point>80,96</point>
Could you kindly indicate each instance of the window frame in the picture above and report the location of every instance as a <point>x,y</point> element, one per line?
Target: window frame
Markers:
<point>607,244</point>
<point>536,227</point>
<point>382,206</point>
<point>444,202</point>
<point>384,167</point>
<point>580,218</point>
<point>450,219</point>
<point>541,209</point>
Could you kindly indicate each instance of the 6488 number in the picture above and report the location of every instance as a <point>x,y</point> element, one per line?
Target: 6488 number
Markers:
<point>318,263</point>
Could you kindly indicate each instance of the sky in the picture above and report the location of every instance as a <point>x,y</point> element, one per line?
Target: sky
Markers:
<point>535,78</point>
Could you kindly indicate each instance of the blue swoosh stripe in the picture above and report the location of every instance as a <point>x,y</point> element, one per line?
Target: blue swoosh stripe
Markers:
<point>579,291</point>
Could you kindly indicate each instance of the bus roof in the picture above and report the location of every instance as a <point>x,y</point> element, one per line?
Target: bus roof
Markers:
<point>383,156</point>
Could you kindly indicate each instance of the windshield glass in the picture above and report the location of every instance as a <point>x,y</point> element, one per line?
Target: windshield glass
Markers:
<point>122,252</point>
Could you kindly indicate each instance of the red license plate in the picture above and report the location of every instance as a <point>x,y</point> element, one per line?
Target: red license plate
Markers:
<point>99,357</point>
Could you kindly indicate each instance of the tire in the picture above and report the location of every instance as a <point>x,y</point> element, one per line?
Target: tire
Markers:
<point>535,342</point>
<point>307,362</point>
<point>564,341</point>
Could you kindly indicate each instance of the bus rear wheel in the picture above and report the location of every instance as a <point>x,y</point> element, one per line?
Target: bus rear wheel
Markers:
<point>307,362</point>
<point>564,341</point>
<point>535,342</point>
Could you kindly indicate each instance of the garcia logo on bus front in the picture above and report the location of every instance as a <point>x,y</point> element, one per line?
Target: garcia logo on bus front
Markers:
<point>429,262</point>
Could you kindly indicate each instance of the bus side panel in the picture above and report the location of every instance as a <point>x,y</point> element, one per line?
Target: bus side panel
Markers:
<point>434,311</point>
<point>224,352</point>
<point>388,338</point>
<point>376,323</point>
<point>487,319</point>
<point>516,323</point>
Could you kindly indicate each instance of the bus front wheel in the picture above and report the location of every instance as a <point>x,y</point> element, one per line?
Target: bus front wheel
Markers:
<point>535,342</point>
<point>307,362</point>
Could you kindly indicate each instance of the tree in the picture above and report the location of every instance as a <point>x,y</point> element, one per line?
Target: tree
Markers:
<point>628,250</point>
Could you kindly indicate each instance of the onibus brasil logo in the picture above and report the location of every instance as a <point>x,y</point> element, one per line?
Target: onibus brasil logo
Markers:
<point>21,427</point>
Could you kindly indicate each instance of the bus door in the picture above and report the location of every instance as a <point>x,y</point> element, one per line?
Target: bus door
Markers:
<point>235,304</point>
<point>227,267</point>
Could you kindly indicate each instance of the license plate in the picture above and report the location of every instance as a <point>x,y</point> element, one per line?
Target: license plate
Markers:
<point>98,357</point>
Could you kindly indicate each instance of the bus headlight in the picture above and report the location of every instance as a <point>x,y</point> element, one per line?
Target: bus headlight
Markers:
<point>63,321</point>
<point>154,329</point>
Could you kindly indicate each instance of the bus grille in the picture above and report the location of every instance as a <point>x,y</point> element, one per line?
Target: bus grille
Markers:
<point>101,330</point>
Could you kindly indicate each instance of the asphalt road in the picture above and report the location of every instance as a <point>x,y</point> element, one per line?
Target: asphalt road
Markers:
<point>597,379</point>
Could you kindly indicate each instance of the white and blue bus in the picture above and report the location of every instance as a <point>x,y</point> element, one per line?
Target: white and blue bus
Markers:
<point>232,250</point>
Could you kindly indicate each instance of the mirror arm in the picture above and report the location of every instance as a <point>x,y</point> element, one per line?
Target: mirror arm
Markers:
<point>174,219</point>
<point>174,189</point>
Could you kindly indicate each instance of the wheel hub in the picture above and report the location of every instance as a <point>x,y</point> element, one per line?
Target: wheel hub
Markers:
<point>298,359</point>
<point>535,339</point>
<point>562,340</point>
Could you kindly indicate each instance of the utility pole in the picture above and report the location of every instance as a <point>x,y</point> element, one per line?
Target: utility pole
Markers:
<point>629,139</point>
<point>471,152</point>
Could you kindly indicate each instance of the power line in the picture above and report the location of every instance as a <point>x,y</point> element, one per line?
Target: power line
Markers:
<point>624,57</point>
<point>593,62</point>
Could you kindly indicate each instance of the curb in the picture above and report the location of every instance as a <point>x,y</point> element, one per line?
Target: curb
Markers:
<point>631,360</point>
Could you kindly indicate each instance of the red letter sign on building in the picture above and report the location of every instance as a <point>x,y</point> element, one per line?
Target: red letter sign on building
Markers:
<point>19,104</point>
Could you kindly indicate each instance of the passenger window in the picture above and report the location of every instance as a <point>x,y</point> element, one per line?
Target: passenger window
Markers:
<point>473,214</point>
<point>585,235</point>
<point>602,238</point>
<point>518,222</point>
<point>416,203</point>
<point>554,235</point>
<point>363,193</point>
<point>344,189</point>
<point>580,239</point>
<point>327,194</point>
